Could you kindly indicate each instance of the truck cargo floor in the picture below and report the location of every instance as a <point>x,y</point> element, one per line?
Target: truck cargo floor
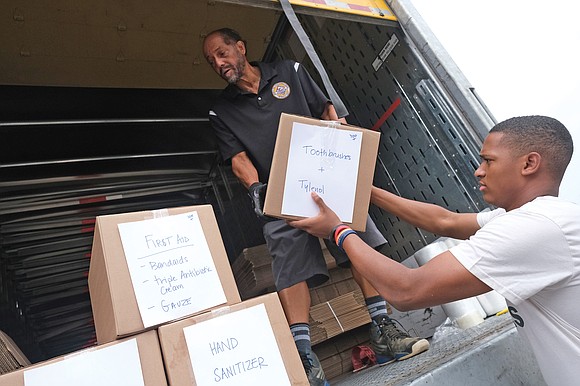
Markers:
<point>491,353</point>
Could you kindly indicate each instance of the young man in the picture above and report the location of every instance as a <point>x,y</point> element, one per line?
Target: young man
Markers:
<point>245,119</point>
<point>528,249</point>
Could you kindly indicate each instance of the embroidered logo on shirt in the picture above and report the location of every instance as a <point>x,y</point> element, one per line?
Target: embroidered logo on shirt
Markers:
<point>281,90</point>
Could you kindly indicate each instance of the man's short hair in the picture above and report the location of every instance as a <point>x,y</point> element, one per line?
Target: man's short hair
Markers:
<point>544,135</point>
<point>230,36</point>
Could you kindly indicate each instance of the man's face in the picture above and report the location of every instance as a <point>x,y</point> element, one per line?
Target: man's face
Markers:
<point>500,178</point>
<point>229,61</point>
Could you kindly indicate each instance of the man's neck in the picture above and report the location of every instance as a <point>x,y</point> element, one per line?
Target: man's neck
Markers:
<point>250,81</point>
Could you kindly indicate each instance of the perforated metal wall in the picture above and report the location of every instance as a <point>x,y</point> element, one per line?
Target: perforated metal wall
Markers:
<point>425,152</point>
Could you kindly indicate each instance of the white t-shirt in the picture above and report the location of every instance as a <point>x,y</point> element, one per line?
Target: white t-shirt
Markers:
<point>531,256</point>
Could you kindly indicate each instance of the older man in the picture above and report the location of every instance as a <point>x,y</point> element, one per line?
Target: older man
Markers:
<point>245,119</point>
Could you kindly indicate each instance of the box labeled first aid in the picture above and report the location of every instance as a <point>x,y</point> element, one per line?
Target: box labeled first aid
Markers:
<point>335,160</point>
<point>131,361</point>
<point>152,267</point>
<point>244,344</point>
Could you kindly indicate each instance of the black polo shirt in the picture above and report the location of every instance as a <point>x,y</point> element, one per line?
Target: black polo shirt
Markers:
<point>248,122</point>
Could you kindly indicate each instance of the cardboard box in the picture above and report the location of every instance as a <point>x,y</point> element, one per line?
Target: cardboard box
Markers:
<point>335,354</point>
<point>340,283</point>
<point>325,164</point>
<point>337,316</point>
<point>98,365</point>
<point>11,357</point>
<point>204,334</point>
<point>253,270</point>
<point>114,298</point>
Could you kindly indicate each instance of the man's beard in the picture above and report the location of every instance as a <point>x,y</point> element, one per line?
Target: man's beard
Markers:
<point>236,71</point>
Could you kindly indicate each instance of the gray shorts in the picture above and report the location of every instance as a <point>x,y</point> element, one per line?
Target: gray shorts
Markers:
<point>298,257</point>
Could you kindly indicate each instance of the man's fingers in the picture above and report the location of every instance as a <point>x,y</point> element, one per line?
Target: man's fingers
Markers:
<point>319,201</point>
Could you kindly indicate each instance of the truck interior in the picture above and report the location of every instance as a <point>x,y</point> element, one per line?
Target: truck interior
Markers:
<point>104,109</point>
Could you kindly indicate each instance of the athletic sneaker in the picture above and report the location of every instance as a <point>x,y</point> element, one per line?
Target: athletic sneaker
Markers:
<point>313,369</point>
<point>391,344</point>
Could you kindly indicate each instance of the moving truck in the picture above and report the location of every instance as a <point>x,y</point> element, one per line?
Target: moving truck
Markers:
<point>104,109</point>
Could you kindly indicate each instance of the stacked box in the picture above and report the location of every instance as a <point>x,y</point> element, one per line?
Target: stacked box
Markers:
<point>147,269</point>
<point>337,316</point>
<point>253,270</point>
<point>243,344</point>
<point>11,357</point>
<point>337,305</point>
<point>335,353</point>
<point>340,282</point>
<point>134,360</point>
<point>153,267</point>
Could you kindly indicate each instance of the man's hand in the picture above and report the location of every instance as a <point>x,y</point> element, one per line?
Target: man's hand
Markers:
<point>320,225</point>
<point>257,192</point>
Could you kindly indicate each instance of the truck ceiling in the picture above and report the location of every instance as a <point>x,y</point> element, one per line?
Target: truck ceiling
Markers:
<point>145,44</point>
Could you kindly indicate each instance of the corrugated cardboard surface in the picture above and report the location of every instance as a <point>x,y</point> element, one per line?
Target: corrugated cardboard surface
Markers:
<point>337,306</point>
<point>253,270</point>
<point>149,354</point>
<point>113,299</point>
<point>366,170</point>
<point>11,357</point>
<point>335,354</point>
<point>176,355</point>
<point>341,282</point>
<point>337,316</point>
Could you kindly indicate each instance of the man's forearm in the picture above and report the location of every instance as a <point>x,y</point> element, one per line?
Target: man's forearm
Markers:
<point>441,280</point>
<point>430,217</point>
<point>244,169</point>
<point>391,279</point>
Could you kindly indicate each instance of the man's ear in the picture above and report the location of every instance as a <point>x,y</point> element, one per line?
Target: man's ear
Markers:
<point>532,164</point>
<point>241,46</point>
